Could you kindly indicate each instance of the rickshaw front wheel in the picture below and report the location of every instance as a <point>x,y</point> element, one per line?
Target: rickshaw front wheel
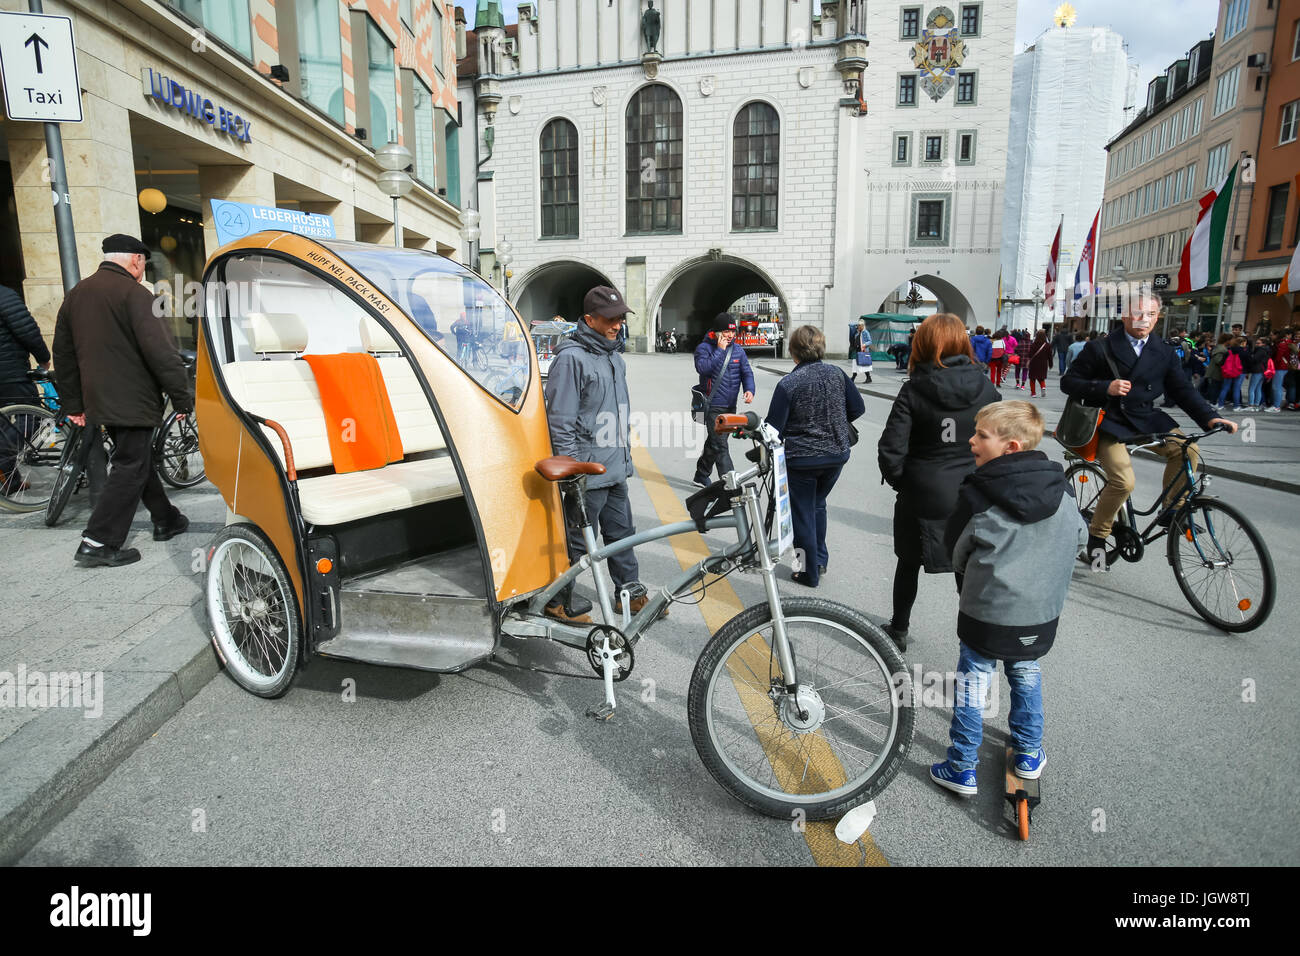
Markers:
<point>252,610</point>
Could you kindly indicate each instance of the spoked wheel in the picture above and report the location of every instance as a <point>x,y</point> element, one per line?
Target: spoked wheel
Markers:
<point>31,445</point>
<point>1222,565</point>
<point>835,744</point>
<point>252,610</point>
<point>177,452</point>
<point>72,465</point>
<point>1088,481</point>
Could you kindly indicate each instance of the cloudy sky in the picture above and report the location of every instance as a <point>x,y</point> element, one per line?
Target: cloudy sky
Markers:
<point>1157,31</point>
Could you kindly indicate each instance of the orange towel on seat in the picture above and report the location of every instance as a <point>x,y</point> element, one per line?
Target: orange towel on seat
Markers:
<point>358,415</point>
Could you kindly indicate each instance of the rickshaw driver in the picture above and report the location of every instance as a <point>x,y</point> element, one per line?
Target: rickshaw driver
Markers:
<point>587,406</point>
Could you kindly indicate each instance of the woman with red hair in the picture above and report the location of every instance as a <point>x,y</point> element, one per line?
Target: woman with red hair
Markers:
<point>925,453</point>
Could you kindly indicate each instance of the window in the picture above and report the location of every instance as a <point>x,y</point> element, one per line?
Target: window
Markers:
<point>1178,186</point>
<point>1225,94</point>
<point>1216,166</point>
<point>320,56</point>
<point>1164,135</point>
<point>1290,115</point>
<point>929,219</point>
<point>1169,193</point>
<point>910,27</point>
<point>438,41</point>
<point>902,149</point>
<point>1275,222</point>
<point>907,89</point>
<point>425,147</point>
<point>965,146</point>
<point>404,11</point>
<point>965,87</point>
<point>1295,45</point>
<point>933,149</point>
<point>452,139</point>
<point>226,19</point>
<point>654,161</point>
<point>383,87</point>
<point>1196,116</point>
<point>970,19</point>
<point>559,171</point>
<point>755,167</point>
<point>1193,63</point>
<point>1191,182</point>
<point>1235,21</point>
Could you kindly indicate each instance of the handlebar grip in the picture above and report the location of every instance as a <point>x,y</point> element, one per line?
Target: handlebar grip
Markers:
<point>730,422</point>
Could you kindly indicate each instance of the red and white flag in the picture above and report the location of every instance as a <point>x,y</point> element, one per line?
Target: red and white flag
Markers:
<point>1202,262</point>
<point>1053,263</point>
<point>1291,280</point>
<point>1083,275</point>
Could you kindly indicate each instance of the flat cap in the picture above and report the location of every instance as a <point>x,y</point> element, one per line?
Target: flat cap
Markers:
<point>119,242</point>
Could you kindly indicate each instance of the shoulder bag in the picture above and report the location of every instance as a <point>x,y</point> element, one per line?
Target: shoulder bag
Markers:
<point>1077,429</point>
<point>699,399</point>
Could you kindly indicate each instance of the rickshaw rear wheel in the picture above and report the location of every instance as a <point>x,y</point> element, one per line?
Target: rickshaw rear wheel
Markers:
<point>819,754</point>
<point>252,611</point>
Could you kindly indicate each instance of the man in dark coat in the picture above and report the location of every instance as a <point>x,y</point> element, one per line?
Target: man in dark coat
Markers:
<point>114,357</point>
<point>721,379</point>
<point>1061,342</point>
<point>19,338</point>
<point>1148,368</point>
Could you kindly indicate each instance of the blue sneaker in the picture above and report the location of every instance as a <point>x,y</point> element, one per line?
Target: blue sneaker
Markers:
<point>1030,766</point>
<point>958,781</point>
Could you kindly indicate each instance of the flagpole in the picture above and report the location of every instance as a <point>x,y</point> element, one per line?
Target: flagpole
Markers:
<point>1227,245</point>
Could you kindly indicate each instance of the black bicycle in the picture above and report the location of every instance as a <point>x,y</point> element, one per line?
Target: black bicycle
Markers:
<point>1219,559</point>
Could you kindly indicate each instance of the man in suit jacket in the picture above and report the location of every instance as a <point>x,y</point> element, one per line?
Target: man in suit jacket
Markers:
<point>1148,368</point>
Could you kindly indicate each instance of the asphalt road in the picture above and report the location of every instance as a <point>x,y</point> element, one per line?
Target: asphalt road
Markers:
<point>1169,742</point>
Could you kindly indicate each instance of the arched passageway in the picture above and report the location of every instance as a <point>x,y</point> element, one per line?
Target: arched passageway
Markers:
<point>691,295</point>
<point>936,293</point>
<point>556,288</point>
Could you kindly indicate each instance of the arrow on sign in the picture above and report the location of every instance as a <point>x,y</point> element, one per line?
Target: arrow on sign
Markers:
<point>35,42</point>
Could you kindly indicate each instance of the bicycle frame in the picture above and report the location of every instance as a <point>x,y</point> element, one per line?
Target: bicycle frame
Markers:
<point>1189,489</point>
<point>746,520</point>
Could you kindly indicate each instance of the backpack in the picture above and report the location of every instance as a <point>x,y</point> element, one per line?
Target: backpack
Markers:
<point>999,348</point>
<point>1269,371</point>
<point>1232,365</point>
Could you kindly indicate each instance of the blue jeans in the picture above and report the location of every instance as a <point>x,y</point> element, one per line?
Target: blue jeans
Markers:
<point>808,490</point>
<point>1060,357</point>
<point>1255,390</point>
<point>1278,387</point>
<point>974,672</point>
<point>1233,385</point>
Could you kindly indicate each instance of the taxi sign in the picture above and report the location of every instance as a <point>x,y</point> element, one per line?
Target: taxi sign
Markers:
<point>38,60</point>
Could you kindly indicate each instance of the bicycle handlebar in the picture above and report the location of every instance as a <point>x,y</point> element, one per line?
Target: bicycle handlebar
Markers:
<point>1155,437</point>
<point>742,424</point>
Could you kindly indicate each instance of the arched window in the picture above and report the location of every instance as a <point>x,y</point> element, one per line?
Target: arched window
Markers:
<point>755,165</point>
<point>654,161</point>
<point>560,179</point>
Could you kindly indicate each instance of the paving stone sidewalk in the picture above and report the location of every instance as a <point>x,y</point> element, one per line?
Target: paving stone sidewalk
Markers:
<point>139,631</point>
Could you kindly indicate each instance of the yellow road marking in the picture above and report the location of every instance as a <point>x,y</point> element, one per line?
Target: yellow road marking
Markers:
<point>719,605</point>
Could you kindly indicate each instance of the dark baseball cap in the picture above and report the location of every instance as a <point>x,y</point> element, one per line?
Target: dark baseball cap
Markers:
<point>605,302</point>
<point>724,322</point>
<point>123,243</point>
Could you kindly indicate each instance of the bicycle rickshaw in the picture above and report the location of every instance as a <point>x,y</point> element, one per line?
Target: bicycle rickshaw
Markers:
<point>429,536</point>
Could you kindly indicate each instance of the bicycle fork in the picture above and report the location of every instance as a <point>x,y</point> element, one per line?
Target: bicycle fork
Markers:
<point>767,567</point>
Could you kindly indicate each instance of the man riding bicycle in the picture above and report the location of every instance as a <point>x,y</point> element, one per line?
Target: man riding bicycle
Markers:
<point>1147,368</point>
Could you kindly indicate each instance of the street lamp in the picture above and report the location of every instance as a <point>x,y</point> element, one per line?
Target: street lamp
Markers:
<point>504,258</point>
<point>1038,302</point>
<point>469,231</point>
<point>395,181</point>
<point>1120,272</point>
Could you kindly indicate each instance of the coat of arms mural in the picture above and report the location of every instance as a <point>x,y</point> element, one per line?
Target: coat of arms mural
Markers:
<point>938,53</point>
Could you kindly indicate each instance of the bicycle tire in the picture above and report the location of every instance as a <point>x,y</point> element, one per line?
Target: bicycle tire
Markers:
<point>36,456</point>
<point>173,455</point>
<point>76,451</point>
<point>821,761</point>
<point>1199,527</point>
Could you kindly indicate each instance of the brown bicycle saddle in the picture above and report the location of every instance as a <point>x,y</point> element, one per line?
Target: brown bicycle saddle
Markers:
<point>559,467</point>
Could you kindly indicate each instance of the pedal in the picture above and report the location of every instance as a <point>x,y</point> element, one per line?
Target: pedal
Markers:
<point>602,711</point>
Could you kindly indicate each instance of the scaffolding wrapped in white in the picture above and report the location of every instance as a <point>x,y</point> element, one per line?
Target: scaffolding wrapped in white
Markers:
<point>1071,92</point>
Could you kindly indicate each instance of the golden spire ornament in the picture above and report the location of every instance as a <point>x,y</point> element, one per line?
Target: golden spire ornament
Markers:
<point>1065,15</point>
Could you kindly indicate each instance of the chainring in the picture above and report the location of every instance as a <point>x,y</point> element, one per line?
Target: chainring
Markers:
<point>619,644</point>
<point>1128,544</point>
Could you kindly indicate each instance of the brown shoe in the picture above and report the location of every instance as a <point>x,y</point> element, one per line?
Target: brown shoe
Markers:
<point>558,612</point>
<point>637,604</point>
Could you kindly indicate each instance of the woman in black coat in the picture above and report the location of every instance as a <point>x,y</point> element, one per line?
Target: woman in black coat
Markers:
<point>925,453</point>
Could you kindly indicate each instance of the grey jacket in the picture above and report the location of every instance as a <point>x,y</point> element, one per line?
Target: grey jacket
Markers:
<point>587,405</point>
<point>1015,536</point>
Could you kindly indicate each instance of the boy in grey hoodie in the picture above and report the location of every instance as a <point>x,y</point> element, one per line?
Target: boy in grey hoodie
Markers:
<point>1016,521</point>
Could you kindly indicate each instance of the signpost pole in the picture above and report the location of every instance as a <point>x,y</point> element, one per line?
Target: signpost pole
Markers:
<point>67,238</point>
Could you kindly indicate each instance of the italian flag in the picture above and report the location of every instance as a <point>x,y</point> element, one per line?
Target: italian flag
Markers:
<point>1291,281</point>
<point>1202,264</point>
